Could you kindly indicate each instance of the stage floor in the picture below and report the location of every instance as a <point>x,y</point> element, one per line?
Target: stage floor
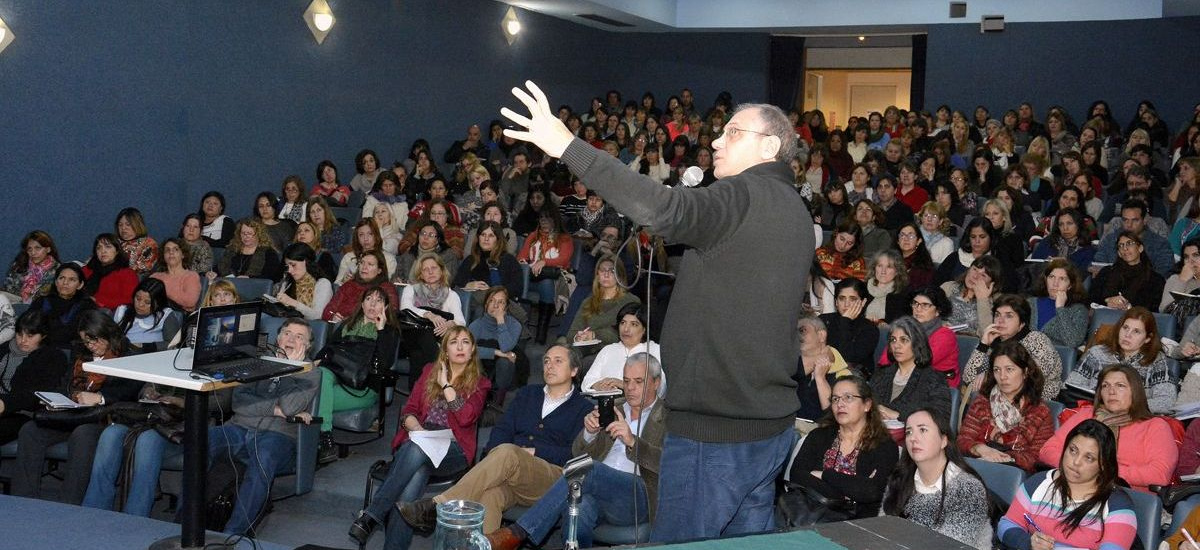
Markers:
<point>38,524</point>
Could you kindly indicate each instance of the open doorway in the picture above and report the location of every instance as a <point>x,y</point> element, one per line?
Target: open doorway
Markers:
<point>842,93</point>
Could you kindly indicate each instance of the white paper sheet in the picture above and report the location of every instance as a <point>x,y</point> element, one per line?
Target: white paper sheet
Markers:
<point>434,443</point>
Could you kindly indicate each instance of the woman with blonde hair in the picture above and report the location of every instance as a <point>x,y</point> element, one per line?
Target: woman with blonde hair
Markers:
<point>429,298</point>
<point>249,254</point>
<point>451,396</point>
<point>308,233</point>
<point>597,318</point>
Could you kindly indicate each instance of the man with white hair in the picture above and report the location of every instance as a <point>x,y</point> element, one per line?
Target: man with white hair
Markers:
<point>729,338</point>
<point>627,453</point>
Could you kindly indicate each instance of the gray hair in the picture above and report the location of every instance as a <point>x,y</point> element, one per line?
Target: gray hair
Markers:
<point>813,322</point>
<point>653,366</point>
<point>922,355</point>
<point>775,123</point>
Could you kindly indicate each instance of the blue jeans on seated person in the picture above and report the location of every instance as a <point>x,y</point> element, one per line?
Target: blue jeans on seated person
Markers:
<point>545,290</point>
<point>409,472</point>
<point>1182,509</point>
<point>605,498</point>
<point>708,490</point>
<point>265,454</point>
<point>149,451</point>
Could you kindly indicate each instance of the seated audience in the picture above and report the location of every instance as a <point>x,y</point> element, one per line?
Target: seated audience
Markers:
<point>495,212</point>
<point>64,304</point>
<point>148,324</point>
<point>934,225</point>
<point>1146,449</point>
<point>933,486</point>
<point>626,454</point>
<point>907,382</point>
<point>819,365</point>
<point>304,288</point>
<point>366,239</point>
<point>292,203</point>
<point>1066,241</point>
<point>1131,280</point>
<point>849,331</point>
<point>1134,216</point>
<point>633,338</point>
<point>1134,342</point>
<point>489,263</point>
<point>327,187</point>
<point>216,228</point>
<point>388,191</point>
<point>978,240</point>
<point>430,240</point>
<point>1008,246</point>
<point>308,233</point>
<point>102,339</point>
<point>199,252</point>
<point>1185,279</point>
<point>1077,504</point>
<point>971,295</point>
<point>430,298</point>
<point>598,316</point>
<point>548,252</point>
<point>1058,306</point>
<point>109,279</point>
<point>349,294</point>
<point>842,256</point>
<point>498,333</point>
<point>279,232</point>
<point>258,434</point>
<point>31,272</point>
<point>917,262</point>
<point>251,256</point>
<point>888,287</point>
<point>182,284</point>
<point>36,365</point>
<point>1007,422</point>
<point>848,457</point>
<point>1010,323</point>
<point>875,236</point>
<point>333,235</point>
<point>526,451</point>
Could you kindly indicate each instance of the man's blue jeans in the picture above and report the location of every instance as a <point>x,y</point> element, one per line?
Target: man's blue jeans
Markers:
<point>405,481</point>
<point>709,490</point>
<point>148,454</point>
<point>266,454</point>
<point>609,495</point>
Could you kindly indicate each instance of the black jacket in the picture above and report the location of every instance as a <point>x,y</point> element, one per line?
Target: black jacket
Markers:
<point>867,484</point>
<point>926,388</point>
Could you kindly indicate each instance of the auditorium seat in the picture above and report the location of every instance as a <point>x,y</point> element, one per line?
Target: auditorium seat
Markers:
<point>1069,357</point>
<point>1148,509</point>
<point>1002,480</point>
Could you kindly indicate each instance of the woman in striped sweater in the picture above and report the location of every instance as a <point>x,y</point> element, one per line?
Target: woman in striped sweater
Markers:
<point>1076,505</point>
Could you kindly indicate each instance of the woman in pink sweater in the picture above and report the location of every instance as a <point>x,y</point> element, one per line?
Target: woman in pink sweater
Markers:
<point>1146,448</point>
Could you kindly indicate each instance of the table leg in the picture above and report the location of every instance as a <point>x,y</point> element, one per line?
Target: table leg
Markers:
<point>195,470</point>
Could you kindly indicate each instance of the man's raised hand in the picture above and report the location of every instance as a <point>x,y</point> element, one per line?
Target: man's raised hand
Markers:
<point>542,127</point>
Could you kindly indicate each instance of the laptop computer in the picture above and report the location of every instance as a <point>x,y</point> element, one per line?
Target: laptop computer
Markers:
<point>227,345</point>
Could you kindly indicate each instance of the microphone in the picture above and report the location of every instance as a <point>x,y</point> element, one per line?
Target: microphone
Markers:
<point>692,176</point>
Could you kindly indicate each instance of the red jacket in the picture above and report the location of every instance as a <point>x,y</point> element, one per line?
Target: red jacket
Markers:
<point>462,421</point>
<point>1026,439</point>
<point>116,289</point>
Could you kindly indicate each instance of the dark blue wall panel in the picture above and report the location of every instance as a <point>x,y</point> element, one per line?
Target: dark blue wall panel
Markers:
<point>150,104</point>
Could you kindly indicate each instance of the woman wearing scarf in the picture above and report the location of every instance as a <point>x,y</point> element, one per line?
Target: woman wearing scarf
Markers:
<point>934,224</point>
<point>876,136</point>
<point>1008,423</point>
<point>1010,316</point>
<point>888,286</point>
<point>1131,280</point>
<point>388,190</point>
<point>1066,241</point>
<point>109,280</point>
<point>303,287</point>
<point>32,271</point>
<point>429,296</point>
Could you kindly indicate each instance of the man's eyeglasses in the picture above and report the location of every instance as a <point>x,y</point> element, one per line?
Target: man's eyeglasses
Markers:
<point>735,132</point>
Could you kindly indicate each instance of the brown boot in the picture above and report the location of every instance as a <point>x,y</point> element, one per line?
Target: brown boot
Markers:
<point>504,539</point>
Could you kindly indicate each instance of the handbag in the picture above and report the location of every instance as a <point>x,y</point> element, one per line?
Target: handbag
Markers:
<point>276,309</point>
<point>410,320</point>
<point>165,419</point>
<point>352,360</point>
<point>547,273</point>
<point>803,506</point>
<point>68,419</point>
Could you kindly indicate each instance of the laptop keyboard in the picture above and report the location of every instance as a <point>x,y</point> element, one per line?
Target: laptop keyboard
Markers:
<point>252,370</point>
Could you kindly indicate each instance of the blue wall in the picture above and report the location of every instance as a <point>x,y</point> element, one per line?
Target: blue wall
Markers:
<point>1069,64</point>
<point>111,104</point>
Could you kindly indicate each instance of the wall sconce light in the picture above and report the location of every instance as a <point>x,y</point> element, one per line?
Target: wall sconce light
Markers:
<point>319,19</point>
<point>6,35</point>
<point>511,26</point>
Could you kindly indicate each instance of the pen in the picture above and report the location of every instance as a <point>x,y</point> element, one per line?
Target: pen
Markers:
<point>1189,538</point>
<point>1029,521</point>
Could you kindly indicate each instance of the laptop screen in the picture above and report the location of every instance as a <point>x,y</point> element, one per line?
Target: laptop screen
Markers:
<point>227,332</point>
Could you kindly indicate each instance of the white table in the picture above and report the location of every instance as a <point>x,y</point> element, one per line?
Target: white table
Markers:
<point>173,368</point>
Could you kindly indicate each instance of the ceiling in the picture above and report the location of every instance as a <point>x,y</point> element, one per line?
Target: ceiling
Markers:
<point>835,17</point>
